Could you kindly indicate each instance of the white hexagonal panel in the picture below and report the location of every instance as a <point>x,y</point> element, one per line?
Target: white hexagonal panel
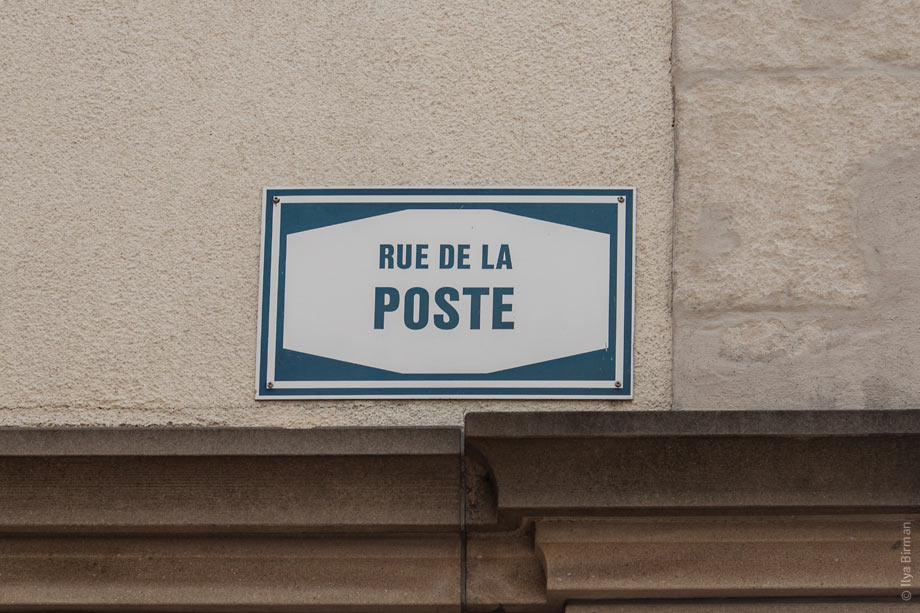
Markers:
<point>560,277</point>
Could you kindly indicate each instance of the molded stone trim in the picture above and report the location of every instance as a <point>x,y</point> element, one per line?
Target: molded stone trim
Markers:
<point>562,511</point>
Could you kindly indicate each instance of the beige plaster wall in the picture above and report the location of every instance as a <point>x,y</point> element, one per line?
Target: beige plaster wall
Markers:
<point>137,136</point>
<point>796,253</point>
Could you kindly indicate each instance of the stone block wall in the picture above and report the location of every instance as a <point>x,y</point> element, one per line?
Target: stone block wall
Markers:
<point>797,204</point>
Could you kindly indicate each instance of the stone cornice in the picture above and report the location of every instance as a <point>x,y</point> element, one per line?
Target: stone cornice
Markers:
<point>549,511</point>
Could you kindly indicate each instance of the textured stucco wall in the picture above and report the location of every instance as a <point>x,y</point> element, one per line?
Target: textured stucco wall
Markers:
<point>136,138</point>
<point>796,259</point>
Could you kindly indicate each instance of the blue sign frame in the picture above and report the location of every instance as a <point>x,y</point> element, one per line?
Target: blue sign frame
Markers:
<point>284,373</point>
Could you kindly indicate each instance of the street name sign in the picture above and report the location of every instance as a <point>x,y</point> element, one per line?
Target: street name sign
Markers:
<point>446,293</point>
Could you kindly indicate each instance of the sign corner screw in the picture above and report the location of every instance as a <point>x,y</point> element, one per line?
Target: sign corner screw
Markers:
<point>276,200</point>
<point>621,199</point>
<point>617,384</point>
<point>269,385</point>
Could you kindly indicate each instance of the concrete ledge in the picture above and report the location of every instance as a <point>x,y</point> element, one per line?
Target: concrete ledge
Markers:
<point>691,423</point>
<point>706,557</point>
<point>544,464</point>
<point>227,441</point>
<point>731,605</point>
<point>417,573</point>
<point>229,480</point>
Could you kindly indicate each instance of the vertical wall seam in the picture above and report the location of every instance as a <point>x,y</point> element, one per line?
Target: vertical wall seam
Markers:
<point>674,172</point>
<point>462,522</point>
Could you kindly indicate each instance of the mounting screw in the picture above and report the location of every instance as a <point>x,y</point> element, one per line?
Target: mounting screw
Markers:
<point>269,385</point>
<point>276,200</point>
<point>617,384</point>
<point>621,199</point>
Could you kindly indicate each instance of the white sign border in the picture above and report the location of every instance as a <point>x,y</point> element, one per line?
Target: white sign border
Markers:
<point>455,384</point>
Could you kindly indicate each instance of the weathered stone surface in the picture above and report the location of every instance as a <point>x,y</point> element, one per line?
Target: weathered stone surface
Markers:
<point>798,156</point>
<point>619,424</point>
<point>773,605</point>
<point>229,480</point>
<point>228,493</point>
<point>199,573</point>
<point>738,35</point>
<point>698,557</point>
<point>795,265</point>
<point>229,441</point>
<point>561,508</point>
<point>771,216</point>
<point>562,467</point>
<point>503,568</point>
<point>704,473</point>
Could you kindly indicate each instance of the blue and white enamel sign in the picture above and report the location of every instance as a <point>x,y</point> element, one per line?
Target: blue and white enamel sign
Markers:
<point>446,293</point>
